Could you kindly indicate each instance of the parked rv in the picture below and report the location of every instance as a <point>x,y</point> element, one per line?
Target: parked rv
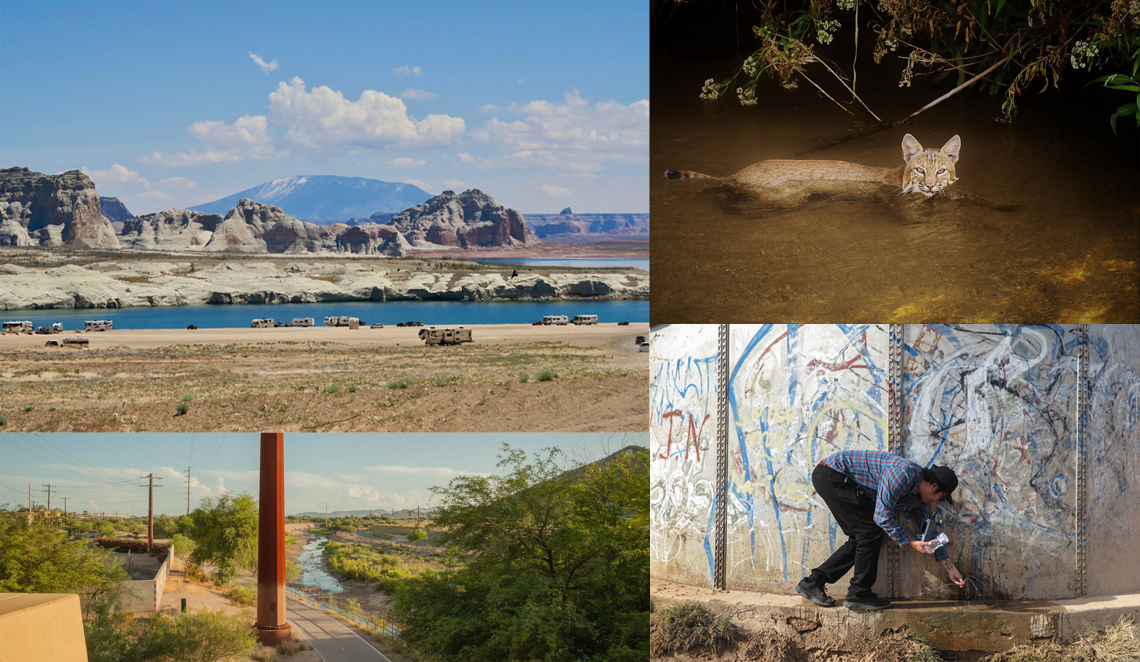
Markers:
<point>18,327</point>
<point>98,325</point>
<point>341,320</point>
<point>44,330</point>
<point>555,320</point>
<point>584,319</point>
<point>262,323</point>
<point>57,327</point>
<point>303,321</point>
<point>434,336</point>
<point>76,341</point>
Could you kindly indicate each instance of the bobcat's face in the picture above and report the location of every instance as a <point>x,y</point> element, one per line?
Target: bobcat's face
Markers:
<point>929,171</point>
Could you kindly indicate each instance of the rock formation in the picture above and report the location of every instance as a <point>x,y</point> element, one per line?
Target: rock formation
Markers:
<point>114,210</point>
<point>568,226</point>
<point>174,229</point>
<point>53,211</point>
<point>466,220</point>
<point>371,239</point>
<point>122,284</point>
<point>252,227</point>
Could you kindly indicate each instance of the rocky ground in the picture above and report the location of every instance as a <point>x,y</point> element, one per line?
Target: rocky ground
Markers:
<point>355,381</point>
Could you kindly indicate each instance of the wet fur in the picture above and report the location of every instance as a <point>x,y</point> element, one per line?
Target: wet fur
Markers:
<point>784,183</point>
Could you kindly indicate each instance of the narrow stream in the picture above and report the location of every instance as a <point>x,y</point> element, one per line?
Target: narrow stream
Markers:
<point>314,574</point>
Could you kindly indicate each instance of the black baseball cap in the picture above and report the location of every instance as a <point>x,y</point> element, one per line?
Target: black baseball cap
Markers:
<point>947,480</point>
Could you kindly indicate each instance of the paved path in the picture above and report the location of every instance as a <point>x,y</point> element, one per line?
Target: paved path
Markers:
<point>332,640</point>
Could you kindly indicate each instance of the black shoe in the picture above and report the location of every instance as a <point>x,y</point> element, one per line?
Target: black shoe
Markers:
<point>815,593</point>
<point>869,602</point>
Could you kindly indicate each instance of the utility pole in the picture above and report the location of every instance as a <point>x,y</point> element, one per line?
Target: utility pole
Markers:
<point>29,504</point>
<point>150,514</point>
<point>187,490</point>
<point>65,506</point>
<point>48,490</point>
<point>326,514</point>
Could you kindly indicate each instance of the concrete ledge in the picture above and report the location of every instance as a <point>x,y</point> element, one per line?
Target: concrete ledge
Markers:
<point>990,626</point>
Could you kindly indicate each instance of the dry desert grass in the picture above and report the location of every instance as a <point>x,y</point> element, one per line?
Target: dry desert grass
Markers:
<point>147,385</point>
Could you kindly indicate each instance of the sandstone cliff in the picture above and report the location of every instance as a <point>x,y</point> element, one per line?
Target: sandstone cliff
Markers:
<point>252,227</point>
<point>174,229</point>
<point>53,211</point>
<point>114,210</point>
<point>567,225</point>
<point>119,285</point>
<point>466,220</point>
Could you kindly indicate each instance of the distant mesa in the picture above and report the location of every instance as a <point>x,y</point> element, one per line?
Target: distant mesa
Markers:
<point>566,226</point>
<point>466,220</point>
<point>115,212</point>
<point>52,211</point>
<point>566,212</point>
<point>325,198</point>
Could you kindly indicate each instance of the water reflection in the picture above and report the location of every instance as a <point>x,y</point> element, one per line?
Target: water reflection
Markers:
<point>1042,226</point>
<point>313,574</point>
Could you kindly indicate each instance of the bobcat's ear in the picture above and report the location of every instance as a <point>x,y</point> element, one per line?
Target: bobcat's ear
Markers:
<point>951,148</point>
<point>910,147</point>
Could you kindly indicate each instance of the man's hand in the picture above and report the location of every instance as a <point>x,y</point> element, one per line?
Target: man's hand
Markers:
<point>920,547</point>
<point>952,571</point>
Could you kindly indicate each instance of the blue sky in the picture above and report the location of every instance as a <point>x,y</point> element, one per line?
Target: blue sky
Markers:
<point>99,472</point>
<point>542,105</point>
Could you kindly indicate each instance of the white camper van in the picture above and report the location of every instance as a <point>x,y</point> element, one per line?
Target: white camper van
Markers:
<point>303,321</point>
<point>98,325</point>
<point>262,323</point>
<point>555,320</point>
<point>584,319</point>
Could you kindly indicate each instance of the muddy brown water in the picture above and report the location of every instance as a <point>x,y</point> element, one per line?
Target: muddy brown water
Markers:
<point>1049,232</point>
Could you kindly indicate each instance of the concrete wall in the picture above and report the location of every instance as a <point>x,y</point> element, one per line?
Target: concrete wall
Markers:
<point>41,626</point>
<point>144,596</point>
<point>997,403</point>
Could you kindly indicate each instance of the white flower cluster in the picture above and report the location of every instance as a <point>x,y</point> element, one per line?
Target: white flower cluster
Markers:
<point>1134,12</point>
<point>1084,52</point>
<point>826,28</point>
<point>753,60</point>
<point>747,98</point>
<point>711,90</point>
<point>845,5</point>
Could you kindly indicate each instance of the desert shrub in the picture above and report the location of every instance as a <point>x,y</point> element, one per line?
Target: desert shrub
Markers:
<point>691,626</point>
<point>524,378</point>
<point>332,389</point>
<point>183,408</point>
<point>202,636</point>
<point>403,382</point>
<point>242,594</point>
<point>351,388</point>
<point>547,375</point>
<point>182,545</point>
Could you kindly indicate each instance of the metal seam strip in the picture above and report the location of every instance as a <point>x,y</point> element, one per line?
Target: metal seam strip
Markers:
<point>894,432</point>
<point>721,550</point>
<point>1082,466</point>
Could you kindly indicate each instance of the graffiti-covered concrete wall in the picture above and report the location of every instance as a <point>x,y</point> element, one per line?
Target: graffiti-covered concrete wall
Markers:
<point>999,404</point>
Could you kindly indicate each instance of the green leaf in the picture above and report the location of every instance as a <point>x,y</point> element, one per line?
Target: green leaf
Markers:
<point>1001,3</point>
<point>1130,88</point>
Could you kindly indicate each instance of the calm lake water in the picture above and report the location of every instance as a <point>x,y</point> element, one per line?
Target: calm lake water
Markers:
<point>388,313</point>
<point>634,263</point>
<point>313,575</point>
<point>1049,232</point>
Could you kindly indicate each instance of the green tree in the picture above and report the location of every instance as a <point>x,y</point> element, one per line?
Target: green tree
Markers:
<point>137,530</point>
<point>225,532</point>
<point>105,528</point>
<point>165,526</point>
<point>38,558</point>
<point>415,535</point>
<point>560,567</point>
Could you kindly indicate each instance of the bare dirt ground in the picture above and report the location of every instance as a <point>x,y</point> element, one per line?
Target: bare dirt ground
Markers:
<point>328,380</point>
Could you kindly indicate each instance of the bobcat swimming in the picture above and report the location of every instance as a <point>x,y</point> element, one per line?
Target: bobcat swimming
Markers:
<point>789,183</point>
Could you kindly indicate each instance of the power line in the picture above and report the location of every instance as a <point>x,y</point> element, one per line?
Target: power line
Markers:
<point>97,469</point>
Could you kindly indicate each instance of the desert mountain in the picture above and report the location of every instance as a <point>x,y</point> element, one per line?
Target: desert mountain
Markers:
<point>325,197</point>
<point>52,210</point>
<point>566,226</point>
<point>464,220</point>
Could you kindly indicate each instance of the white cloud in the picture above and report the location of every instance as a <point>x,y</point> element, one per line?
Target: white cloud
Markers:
<point>361,492</point>
<point>404,70</point>
<point>555,192</point>
<point>323,118</point>
<point>153,195</point>
<point>301,480</point>
<point>416,182</point>
<point>419,471</point>
<point>571,135</point>
<point>418,95</point>
<point>178,183</point>
<point>490,108</point>
<point>266,67</point>
<point>454,184</point>
<point>519,81</point>
<point>248,137</point>
<point>116,175</point>
<point>405,162</point>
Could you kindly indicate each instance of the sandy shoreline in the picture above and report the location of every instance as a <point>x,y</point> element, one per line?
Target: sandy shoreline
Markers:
<point>581,336</point>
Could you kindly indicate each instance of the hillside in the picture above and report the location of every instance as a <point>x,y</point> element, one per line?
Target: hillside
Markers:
<point>325,197</point>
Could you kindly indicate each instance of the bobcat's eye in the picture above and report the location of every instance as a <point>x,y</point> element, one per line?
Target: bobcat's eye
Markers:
<point>919,170</point>
<point>942,171</point>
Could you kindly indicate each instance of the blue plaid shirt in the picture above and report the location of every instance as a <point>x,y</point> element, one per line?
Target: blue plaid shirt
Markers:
<point>894,481</point>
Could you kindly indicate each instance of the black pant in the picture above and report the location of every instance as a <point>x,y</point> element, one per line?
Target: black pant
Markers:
<point>853,507</point>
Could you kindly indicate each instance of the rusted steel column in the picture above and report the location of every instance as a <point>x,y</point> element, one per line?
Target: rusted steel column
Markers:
<point>272,629</point>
